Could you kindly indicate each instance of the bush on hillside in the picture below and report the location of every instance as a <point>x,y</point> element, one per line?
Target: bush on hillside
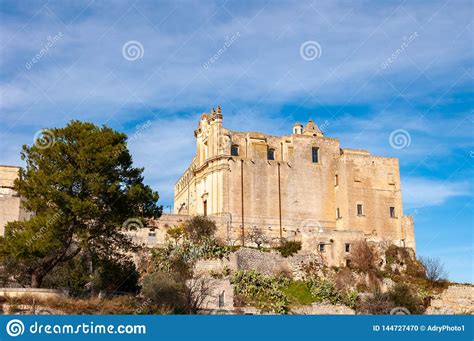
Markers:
<point>200,228</point>
<point>363,257</point>
<point>289,248</point>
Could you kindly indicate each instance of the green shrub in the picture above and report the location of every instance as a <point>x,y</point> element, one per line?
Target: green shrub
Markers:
<point>289,248</point>
<point>325,291</point>
<point>164,291</point>
<point>109,275</point>
<point>265,292</point>
<point>402,296</point>
<point>299,293</point>
<point>351,298</point>
<point>199,228</point>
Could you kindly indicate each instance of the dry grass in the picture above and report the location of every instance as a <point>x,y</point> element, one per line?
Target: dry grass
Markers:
<point>344,279</point>
<point>115,305</point>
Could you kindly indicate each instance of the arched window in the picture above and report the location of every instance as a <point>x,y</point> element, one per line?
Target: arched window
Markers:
<point>271,154</point>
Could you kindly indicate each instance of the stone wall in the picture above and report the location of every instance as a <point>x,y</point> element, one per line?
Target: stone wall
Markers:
<point>323,309</point>
<point>456,299</point>
<point>32,292</point>
<point>267,262</point>
<point>220,299</point>
<point>271,262</point>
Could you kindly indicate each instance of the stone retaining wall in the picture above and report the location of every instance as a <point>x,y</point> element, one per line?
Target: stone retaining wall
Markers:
<point>33,292</point>
<point>270,262</point>
<point>457,299</point>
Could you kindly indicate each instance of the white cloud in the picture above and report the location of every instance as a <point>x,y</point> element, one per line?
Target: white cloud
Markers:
<point>86,68</point>
<point>421,192</point>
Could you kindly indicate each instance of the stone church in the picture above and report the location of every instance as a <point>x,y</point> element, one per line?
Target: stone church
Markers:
<point>301,186</point>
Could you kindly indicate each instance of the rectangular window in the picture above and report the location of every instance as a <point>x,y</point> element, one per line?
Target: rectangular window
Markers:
<point>348,263</point>
<point>357,175</point>
<point>338,213</point>
<point>205,207</point>
<point>234,150</point>
<point>391,179</point>
<point>392,212</point>
<point>321,247</point>
<point>347,247</point>
<point>360,211</point>
<point>221,299</point>
<point>315,154</point>
<point>336,180</point>
<point>271,154</point>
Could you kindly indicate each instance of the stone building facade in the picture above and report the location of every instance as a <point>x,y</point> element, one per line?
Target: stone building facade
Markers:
<point>300,186</point>
<point>10,208</point>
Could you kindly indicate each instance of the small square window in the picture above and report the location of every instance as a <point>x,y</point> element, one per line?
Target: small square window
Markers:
<point>322,247</point>
<point>360,210</point>
<point>347,247</point>
<point>392,212</point>
<point>315,154</point>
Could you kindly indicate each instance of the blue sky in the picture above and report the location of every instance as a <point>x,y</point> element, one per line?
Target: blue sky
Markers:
<point>377,67</point>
